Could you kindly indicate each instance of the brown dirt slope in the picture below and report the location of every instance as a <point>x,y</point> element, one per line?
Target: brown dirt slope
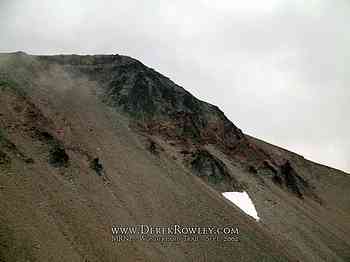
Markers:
<point>88,142</point>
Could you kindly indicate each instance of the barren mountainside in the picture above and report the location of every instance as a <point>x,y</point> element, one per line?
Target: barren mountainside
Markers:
<point>87,142</point>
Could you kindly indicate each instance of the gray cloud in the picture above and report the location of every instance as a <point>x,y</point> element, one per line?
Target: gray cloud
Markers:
<point>278,68</point>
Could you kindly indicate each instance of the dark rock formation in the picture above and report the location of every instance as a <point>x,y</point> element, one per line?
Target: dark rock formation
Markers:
<point>58,156</point>
<point>213,171</point>
<point>295,183</point>
<point>57,153</point>
<point>252,170</point>
<point>267,168</point>
<point>97,166</point>
<point>152,147</point>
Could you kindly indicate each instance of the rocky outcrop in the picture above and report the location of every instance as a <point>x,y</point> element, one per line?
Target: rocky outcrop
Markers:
<point>285,176</point>
<point>295,183</point>
<point>57,153</point>
<point>96,165</point>
<point>213,171</point>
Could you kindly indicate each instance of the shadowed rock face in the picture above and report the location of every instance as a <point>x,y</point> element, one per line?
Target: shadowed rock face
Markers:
<point>213,171</point>
<point>57,153</point>
<point>97,166</point>
<point>58,157</point>
<point>285,176</point>
<point>293,181</point>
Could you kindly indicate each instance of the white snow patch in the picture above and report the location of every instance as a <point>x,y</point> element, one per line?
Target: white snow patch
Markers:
<point>243,201</point>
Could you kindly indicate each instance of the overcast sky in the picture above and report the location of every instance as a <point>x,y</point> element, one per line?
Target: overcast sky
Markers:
<point>279,69</point>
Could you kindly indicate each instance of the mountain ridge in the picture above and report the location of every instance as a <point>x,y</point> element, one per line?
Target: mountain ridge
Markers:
<point>90,124</point>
